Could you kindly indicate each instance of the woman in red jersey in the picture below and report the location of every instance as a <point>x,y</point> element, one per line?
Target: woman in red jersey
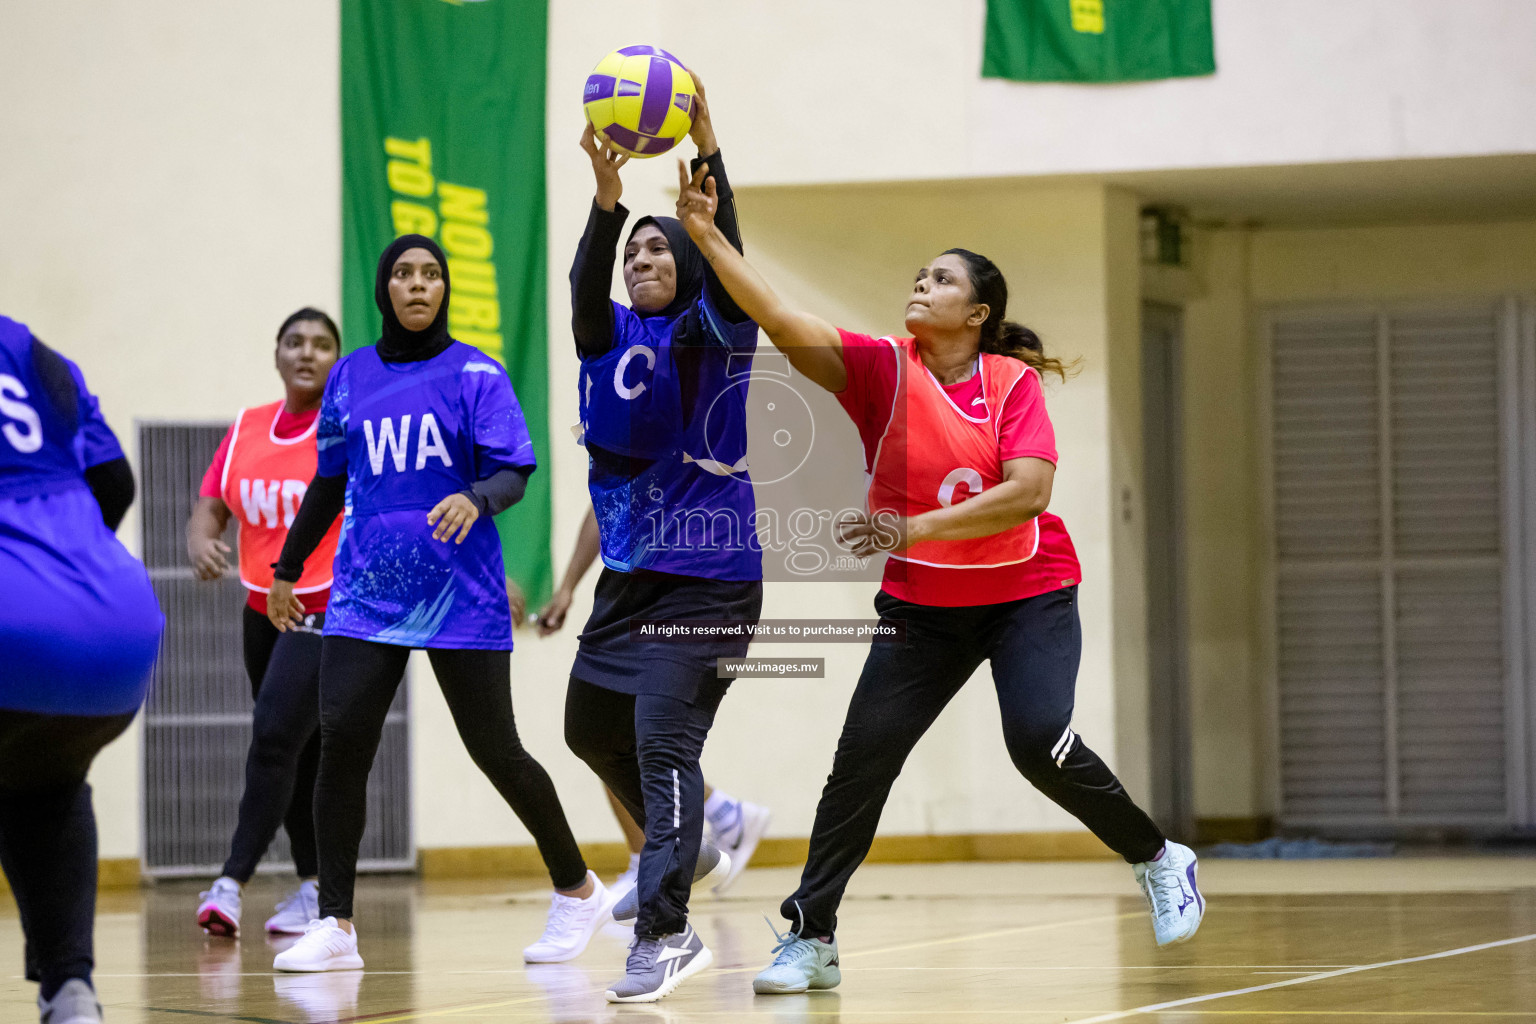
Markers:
<point>961,458</point>
<point>258,478</point>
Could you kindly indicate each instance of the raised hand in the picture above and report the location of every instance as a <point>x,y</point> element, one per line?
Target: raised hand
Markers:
<point>606,162</point>
<point>703,131</point>
<point>696,200</point>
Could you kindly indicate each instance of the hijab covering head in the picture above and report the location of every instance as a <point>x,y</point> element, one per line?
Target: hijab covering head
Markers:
<point>399,345</point>
<point>689,261</point>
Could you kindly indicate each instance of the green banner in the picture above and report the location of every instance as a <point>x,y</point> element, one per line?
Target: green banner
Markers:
<point>442,129</point>
<point>1097,40</point>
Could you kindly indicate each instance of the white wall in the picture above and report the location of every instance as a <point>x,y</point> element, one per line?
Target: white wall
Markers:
<point>891,89</point>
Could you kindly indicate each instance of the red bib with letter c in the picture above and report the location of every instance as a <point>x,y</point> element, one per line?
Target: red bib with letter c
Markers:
<point>934,455</point>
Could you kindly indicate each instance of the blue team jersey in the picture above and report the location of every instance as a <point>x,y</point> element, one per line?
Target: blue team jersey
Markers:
<point>407,435</point>
<point>81,626</point>
<point>665,426</point>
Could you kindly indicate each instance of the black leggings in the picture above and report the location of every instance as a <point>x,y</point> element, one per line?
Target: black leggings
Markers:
<point>1034,646</point>
<point>48,836</point>
<point>284,756</point>
<point>358,679</point>
<point>646,750</point>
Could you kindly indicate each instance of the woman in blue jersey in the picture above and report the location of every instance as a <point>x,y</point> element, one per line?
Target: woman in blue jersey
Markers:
<point>422,440</point>
<point>663,415</point>
<point>79,636</point>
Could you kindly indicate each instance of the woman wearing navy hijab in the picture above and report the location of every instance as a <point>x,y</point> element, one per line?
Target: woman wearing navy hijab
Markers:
<point>663,416</point>
<point>422,440</point>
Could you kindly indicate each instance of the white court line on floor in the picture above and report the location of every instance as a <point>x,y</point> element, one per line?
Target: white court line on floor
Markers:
<point>1192,1000</point>
<point>1255,968</point>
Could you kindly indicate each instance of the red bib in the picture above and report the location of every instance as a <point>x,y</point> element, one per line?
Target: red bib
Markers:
<point>265,478</point>
<point>934,455</point>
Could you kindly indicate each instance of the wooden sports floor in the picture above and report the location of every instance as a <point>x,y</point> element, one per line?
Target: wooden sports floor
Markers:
<point>1407,939</point>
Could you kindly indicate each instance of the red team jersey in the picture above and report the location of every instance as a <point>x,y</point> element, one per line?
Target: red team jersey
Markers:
<point>997,414</point>
<point>261,471</point>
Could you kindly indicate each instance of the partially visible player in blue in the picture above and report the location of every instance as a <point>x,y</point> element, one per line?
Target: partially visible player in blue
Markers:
<point>662,392</point>
<point>79,635</point>
<point>422,441</point>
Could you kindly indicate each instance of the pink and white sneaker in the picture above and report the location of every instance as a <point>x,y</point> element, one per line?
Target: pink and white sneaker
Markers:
<point>219,913</point>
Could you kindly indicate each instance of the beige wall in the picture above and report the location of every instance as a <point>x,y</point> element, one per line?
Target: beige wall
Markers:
<point>884,90</point>
<point>1240,273</point>
<point>171,190</point>
<point>1221,530</point>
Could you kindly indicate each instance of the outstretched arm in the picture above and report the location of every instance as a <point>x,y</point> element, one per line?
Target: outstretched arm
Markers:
<point>592,271</point>
<point>703,135</point>
<point>812,345</point>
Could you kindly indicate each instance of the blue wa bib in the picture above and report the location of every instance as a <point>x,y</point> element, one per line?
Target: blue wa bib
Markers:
<point>408,435</point>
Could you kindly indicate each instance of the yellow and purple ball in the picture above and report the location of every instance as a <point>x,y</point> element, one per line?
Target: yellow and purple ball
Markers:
<point>641,100</point>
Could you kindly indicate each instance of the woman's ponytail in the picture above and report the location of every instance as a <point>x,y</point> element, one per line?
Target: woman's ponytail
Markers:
<point>1000,336</point>
<point>1019,342</point>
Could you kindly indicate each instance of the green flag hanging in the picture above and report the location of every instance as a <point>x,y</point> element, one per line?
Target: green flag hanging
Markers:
<point>1097,40</point>
<point>442,127</point>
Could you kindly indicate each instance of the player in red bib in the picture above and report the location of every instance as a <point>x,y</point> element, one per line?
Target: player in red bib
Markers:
<point>960,456</point>
<point>258,478</point>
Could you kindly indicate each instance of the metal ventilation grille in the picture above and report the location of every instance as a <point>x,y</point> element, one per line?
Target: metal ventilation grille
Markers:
<point>1332,695</point>
<point>197,719</point>
<point>1447,548</point>
<point>1390,569</point>
<point>1326,451</point>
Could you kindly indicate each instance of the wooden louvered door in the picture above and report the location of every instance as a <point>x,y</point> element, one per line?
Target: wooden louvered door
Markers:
<point>1395,441</point>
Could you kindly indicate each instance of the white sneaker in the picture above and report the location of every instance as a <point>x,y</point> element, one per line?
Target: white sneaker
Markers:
<point>296,910</point>
<point>743,840</point>
<point>74,1003</point>
<point>1172,893</point>
<point>219,913</point>
<point>326,946</point>
<point>572,923</point>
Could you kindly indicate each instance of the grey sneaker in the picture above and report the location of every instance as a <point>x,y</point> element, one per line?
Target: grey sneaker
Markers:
<point>798,964</point>
<point>713,866</point>
<point>657,966</point>
<point>75,1003</point>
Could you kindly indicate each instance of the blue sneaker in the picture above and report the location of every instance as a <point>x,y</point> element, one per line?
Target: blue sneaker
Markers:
<point>798,964</point>
<point>1173,894</point>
